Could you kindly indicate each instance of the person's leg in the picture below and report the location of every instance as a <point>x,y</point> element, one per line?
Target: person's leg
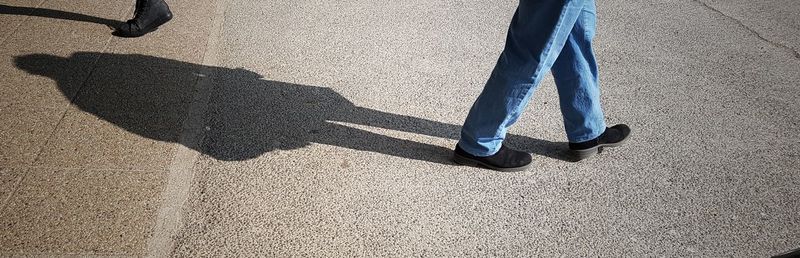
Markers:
<point>575,74</point>
<point>535,37</point>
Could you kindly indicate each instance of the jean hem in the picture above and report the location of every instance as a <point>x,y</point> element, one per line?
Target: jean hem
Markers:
<point>588,137</point>
<point>474,152</point>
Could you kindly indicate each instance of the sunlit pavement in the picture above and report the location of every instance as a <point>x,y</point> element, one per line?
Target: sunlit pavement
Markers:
<point>324,128</point>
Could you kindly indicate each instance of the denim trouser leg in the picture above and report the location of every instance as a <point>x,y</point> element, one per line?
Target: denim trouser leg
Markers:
<point>538,32</point>
<point>575,74</point>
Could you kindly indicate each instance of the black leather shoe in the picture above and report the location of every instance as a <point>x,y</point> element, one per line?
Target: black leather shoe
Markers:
<point>506,159</point>
<point>148,16</point>
<point>613,136</point>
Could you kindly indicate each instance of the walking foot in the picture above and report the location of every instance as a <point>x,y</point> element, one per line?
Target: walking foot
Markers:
<point>613,136</point>
<point>148,16</point>
<point>506,159</point>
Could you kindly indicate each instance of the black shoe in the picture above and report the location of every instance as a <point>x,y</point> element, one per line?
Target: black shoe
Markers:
<point>148,16</point>
<point>506,159</point>
<point>613,136</point>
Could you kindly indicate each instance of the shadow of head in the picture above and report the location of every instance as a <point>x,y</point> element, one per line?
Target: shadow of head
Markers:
<point>245,116</point>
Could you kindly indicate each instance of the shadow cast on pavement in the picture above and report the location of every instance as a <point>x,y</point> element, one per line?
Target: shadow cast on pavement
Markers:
<point>246,116</point>
<point>57,14</point>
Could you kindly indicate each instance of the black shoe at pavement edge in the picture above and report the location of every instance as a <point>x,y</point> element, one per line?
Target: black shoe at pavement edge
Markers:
<point>505,160</point>
<point>148,16</point>
<point>613,136</point>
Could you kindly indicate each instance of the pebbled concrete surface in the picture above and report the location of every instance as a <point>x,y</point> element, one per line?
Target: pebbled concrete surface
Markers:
<point>75,211</point>
<point>75,180</point>
<point>325,129</point>
<point>334,151</point>
<point>773,21</point>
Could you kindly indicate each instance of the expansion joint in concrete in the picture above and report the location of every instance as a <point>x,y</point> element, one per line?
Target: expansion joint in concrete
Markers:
<point>752,31</point>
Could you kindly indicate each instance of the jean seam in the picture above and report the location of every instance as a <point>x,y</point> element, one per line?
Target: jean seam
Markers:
<point>536,73</point>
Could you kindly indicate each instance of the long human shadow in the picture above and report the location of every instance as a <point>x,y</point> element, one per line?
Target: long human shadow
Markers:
<point>247,115</point>
<point>57,14</point>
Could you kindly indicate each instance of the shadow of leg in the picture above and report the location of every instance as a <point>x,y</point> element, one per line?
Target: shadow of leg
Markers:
<point>352,138</point>
<point>375,118</point>
<point>56,14</point>
<point>555,150</point>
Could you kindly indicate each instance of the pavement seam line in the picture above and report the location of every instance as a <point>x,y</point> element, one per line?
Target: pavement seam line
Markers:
<point>752,31</point>
<point>16,28</point>
<point>74,98</point>
<point>85,168</point>
<point>168,221</point>
<point>52,134</point>
<point>67,254</point>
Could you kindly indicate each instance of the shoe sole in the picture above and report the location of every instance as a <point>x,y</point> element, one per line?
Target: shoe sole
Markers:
<point>584,154</point>
<point>471,162</point>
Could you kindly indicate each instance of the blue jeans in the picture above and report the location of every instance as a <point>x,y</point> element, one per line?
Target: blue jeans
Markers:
<point>544,35</point>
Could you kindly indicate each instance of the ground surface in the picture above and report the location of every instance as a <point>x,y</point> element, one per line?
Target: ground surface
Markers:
<point>324,128</point>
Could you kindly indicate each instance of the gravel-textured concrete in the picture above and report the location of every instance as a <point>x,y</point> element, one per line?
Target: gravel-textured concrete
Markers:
<point>75,211</point>
<point>326,130</point>
<point>295,166</point>
<point>774,21</point>
<point>74,180</point>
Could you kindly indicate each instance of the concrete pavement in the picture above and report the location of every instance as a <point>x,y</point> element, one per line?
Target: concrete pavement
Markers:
<point>323,128</point>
